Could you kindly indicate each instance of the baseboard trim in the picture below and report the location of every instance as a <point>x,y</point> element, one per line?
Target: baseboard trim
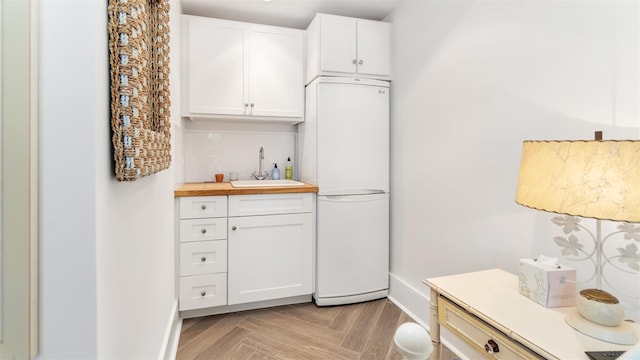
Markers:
<point>172,334</point>
<point>185,314</point>
<point>410,300</point>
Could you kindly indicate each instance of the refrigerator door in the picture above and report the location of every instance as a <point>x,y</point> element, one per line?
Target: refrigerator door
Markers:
<point>352,247</point>
<point>353,137</point>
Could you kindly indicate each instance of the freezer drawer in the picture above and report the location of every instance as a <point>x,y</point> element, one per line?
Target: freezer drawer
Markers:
<point>352,245</point>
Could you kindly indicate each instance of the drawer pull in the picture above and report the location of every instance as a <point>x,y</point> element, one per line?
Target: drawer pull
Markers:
<point>203,259</point>
<point>203,293</point>
<point>203,207</point>
<point>204,231</point>
<point>233,228</point>
<point>491,347</point>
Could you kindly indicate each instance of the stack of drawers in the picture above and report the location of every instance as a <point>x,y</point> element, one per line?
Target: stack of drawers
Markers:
<point>203,252</point>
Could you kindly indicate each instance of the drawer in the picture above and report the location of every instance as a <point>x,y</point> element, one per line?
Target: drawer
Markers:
<point>203,291</point>
<point>203,257</point>
<point>270,204</point>
<point>478,333</point>
<point>203,229</point>
<point>196,207</point>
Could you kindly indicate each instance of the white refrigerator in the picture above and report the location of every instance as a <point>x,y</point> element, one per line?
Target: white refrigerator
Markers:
<point>344,149</point>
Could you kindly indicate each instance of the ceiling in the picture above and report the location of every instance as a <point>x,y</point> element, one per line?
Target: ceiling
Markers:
<point>288,13</point>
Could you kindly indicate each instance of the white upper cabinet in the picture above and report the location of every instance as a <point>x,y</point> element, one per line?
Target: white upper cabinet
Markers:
<point>239,70</point>
<point>344,46</point>
<point>374,48</point>
<point>276,86</point>
<point>337,50</point>
<point>215,65</point>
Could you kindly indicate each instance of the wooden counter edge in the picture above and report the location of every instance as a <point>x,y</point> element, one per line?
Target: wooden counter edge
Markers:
<point>194,189</point>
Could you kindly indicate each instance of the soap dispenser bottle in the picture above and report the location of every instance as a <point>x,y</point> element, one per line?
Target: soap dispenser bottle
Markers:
<point>288,170</point>
<point>275,173</point>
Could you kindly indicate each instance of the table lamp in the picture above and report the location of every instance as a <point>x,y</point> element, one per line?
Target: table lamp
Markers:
<point>593,179</point>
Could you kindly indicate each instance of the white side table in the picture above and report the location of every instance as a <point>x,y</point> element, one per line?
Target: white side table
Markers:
<point>486,311</point>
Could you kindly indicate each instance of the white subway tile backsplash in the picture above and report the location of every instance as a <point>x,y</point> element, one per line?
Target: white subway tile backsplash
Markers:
<point>207,152</point>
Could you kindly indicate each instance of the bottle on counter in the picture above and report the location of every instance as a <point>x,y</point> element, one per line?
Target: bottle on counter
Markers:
<point>275,173</point>
<point>288,170</point>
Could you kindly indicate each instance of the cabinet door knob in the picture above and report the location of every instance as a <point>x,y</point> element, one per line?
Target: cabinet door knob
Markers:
<point>354,61</point>
<point>203,207</point>
<point>233,228</point>
<point>360,62</point>
<point>491,347</point>
<point>204,231</point>
<point>203,259</point>
<point>203,293</point>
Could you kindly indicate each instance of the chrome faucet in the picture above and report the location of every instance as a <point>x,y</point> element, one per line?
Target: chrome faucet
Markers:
<point>260,158</point>
<point>260,175</point>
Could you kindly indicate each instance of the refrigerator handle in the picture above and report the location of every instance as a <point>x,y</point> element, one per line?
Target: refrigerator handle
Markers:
<point>351,192</point>
<point>353,198</point>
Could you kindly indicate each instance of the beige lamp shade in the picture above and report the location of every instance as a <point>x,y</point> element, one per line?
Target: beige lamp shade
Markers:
<point>594,179</point>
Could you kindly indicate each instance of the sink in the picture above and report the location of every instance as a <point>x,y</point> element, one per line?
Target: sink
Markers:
<point>265,183</point>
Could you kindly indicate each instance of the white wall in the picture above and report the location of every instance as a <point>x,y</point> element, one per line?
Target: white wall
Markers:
<point>135,240</point>
<point>472,81</point>
<point>107,249</point>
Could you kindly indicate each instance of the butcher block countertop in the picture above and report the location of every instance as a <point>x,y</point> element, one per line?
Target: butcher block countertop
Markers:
<point>225,188</point>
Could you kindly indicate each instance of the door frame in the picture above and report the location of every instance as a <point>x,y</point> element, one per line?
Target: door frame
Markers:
<point>19,180</point>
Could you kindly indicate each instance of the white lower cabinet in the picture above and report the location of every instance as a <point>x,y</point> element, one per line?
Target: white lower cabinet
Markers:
<point>269,257</point>
<point>203,257</point>
<point>202,291</point>
<point>258,248</point>
<point>203,229</point>
<point>202,239</point>
<point>270,246</point>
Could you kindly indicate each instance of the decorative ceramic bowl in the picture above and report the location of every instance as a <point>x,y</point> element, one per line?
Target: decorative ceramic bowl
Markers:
<point>600,307</point>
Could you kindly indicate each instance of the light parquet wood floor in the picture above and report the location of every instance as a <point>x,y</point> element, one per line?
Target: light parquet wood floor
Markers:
<point>301,331</point>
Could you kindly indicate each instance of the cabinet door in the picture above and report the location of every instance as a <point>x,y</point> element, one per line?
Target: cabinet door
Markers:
<point>338,44</point>
<point>216,66</point>
<point>269,257</point>
<point>374,39</point>
<point>276,85</point>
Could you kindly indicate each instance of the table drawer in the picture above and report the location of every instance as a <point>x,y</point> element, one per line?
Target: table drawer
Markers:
<point>203,229</point>
<point>197,207</point>
<point>479,334</point>
<point>203,291</point>
<point>203,257</point>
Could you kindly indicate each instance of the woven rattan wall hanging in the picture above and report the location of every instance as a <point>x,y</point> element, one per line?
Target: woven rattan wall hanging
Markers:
<point>139,59</point>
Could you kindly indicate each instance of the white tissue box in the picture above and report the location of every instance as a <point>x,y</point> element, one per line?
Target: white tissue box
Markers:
<point>548,285</point>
